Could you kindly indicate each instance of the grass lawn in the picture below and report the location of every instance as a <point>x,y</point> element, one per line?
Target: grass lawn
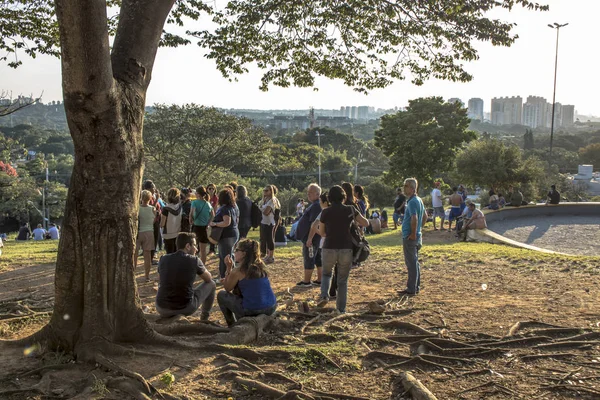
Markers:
<point>473,293</point>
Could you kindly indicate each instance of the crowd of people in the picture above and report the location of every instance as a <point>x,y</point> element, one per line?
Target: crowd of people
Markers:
<point>191,220</point>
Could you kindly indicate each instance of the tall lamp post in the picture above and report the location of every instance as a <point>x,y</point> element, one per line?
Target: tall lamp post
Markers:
<point>319,144</point>
<point>556,26</point>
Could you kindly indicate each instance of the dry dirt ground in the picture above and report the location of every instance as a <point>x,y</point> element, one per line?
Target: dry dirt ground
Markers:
<point>458,336</point>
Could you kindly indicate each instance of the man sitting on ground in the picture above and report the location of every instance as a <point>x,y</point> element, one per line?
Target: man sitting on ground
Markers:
<point>39,233</point>
<point>177,272</point>
<point>476,221</point>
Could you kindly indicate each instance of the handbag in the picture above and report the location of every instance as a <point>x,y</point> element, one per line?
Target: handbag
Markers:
<point>215,234</point>
<point>360,247</point>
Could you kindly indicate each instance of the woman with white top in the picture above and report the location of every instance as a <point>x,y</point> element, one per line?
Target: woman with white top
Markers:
<point>269,205</point>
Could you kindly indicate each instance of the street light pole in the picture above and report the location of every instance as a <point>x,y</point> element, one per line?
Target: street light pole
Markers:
<point>556,26</point>
<point>319,144</point>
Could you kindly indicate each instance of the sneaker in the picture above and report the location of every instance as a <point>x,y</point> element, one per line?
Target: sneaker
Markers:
<point>316,283</point>
<point>304,284</point>
<point>268,260</point>
<point>217,281</point>
<point>322,302</point>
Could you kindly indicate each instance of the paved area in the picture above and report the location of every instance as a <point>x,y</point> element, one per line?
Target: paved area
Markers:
<point>577,235</point>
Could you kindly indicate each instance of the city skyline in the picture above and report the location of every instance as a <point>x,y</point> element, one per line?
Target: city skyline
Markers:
<point>183,75</point>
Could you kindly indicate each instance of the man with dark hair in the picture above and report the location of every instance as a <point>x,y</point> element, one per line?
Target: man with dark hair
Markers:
<point>24,232</point>
<point>177,273</point>
<point>399,205</point>
<point>186,207</point>
<point>553,196</point>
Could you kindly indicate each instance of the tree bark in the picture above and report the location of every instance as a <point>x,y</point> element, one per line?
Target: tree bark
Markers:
<point>96,298</point>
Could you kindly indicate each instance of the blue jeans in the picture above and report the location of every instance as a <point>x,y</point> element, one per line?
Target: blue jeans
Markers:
<point>411,258</point>
<point>225,248</point>
<point>309,262</point>
<point>342,258</point>
<point>233,309</point>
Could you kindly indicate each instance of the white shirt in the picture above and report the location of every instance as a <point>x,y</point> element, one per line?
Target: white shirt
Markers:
<point>270,219</point>
<point>436,195</point>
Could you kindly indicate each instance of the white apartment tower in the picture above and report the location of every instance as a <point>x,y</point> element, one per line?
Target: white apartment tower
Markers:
<point>535,111</point>
<point>475,110</point>
<point>507,110</point>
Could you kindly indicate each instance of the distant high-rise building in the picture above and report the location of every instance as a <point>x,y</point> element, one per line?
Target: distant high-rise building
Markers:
<point>456,100</point>
<point>557,116</point>
<point>362,112</point>
<point>354,112</point>
<point>342,111</point>
<point>535,111</point>
<point>348,112</point>
<point>568,115</point>
<point>507,110</point>
<point>475,110</point>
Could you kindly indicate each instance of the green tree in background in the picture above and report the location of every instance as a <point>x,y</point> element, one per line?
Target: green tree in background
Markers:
<point>424,139</point>
<point>591,154</point>
<point>490,162</point>
<point>528,141</point>
<point>186,145</point>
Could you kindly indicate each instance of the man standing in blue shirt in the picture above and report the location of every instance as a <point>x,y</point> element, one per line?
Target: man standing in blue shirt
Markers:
<point>303,229</point>
<point>415,217</point>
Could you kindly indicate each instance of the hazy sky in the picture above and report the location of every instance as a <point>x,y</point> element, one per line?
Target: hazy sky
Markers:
<point>183,75</point>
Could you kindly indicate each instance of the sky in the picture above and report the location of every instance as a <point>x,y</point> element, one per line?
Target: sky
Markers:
<point>526,68</point>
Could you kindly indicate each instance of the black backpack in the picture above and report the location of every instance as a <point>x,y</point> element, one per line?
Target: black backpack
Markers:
<point>255,215</point>
<point>360,247</point>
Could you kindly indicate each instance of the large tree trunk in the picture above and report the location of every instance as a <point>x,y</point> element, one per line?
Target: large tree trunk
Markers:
<point>96,296</point>
<point>96,299</point>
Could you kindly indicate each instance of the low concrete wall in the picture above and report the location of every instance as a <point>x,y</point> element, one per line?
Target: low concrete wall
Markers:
<point>541,211</point>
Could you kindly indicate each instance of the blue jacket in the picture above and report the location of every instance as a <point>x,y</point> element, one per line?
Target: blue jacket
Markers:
<point>305,222</point>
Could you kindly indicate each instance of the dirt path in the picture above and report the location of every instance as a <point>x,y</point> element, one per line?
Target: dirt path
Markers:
<point>466,297</point>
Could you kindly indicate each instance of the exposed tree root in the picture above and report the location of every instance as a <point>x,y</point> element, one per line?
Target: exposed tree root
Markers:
<point>42,336</point>
<point>556,331</point>
<point>108,364</point>
<point>403,325</point>
<point>130,386</point>
<point>521,341</point>
<point>259,387</point>
<point>282,378</point>
<point>17,317</point>
<point>42,387</point>
<point>409,338</point>
<point>531,357</point>
<point>332,395</point>
<point>240,362</point>
<point>501,388</point>
<point>584,336</point>
<point>484,371</point>
<point>319,354</point>
<point>46,368</point>
<point>529,324</point>
<point>568,344</point>
<point>417,390</point>
<point>246,330</point>
<point>419,361</point>
<point>309,322</point>
<point>573,388</point>
<point>176,329</point>
<point>296,395</point>
<point>382,356</point>
<point>250,354</point>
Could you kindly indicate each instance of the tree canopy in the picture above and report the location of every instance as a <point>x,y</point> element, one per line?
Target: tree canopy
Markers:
<point>423,140</point>
<point>187,144</point>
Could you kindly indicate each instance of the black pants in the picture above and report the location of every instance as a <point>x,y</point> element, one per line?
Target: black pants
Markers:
<point>170,245</point>
<point>266,239</point>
